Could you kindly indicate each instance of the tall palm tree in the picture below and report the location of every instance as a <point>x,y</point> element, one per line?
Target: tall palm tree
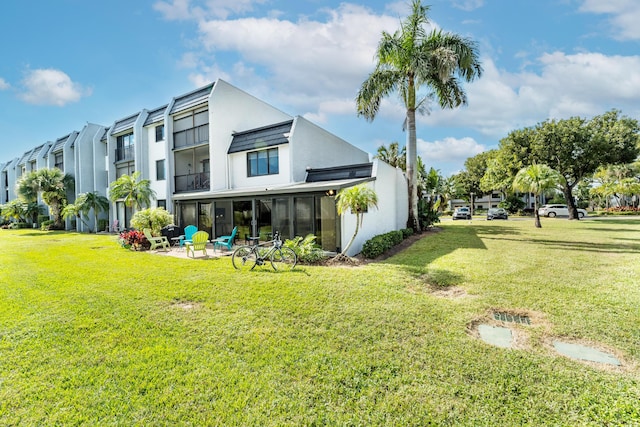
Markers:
<point>408,60</point>
<point>393,155</point>
<point>53,184</point>
<point>536,179</point>
<point>135,192</point>
<point>357,199</point>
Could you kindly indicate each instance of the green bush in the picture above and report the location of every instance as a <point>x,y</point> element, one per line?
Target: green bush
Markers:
<point>306,249</point>
<point>102,224</point>
<point>153,218</point>
<point>406,232</point>
<point>17,225</point>
<point>381,243</point>
<point>512,204</point>
<point>46,225</point>
<point>42,218</point>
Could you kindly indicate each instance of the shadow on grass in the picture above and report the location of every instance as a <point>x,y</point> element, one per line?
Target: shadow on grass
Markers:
<point>590,246</point>
<point>417,258</point>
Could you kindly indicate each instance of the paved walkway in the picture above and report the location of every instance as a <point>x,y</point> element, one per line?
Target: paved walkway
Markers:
<point>178,252</point>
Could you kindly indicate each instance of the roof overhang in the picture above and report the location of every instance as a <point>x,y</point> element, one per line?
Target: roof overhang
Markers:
<point>299,188</point>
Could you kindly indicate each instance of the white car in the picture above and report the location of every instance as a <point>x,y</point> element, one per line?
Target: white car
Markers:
<point>559,210</point>
<point>462,213</point>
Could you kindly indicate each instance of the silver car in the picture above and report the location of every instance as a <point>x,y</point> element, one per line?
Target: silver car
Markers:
<point>462,213</point>
<point>559,210</point>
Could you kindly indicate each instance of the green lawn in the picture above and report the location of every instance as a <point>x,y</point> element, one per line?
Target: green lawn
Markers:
<point>92,334</point>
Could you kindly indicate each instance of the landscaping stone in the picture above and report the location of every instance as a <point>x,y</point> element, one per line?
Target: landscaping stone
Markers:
<point>496,335</point>
<point>581,352</point>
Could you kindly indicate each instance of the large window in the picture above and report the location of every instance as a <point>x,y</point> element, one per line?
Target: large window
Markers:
<point>160,133</point>
<point>263,162</point>
<point>160,170</point>
<point>59,161</point>
<point>124,149</point>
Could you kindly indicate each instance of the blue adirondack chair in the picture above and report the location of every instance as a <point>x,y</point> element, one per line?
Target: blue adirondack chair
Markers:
<point>189,231</point>
<point>226,241</point>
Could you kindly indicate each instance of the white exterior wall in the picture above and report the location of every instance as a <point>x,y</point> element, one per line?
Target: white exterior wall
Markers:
<point>157,151</point>
<point>233,110</point>
<point>312,146</point>
<point>392,211</point>
<point>240,179</point>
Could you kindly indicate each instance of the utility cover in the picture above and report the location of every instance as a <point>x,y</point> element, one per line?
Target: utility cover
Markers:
<point>496,335</point>
<point>582,352</point>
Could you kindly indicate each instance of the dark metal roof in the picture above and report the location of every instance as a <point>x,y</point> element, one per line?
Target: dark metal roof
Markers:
<point>266,136</point>
<point>125,124</point>
<point>363,170</point>
<point>191,99</point>
<point>155,116</point>
<point>59,144</point>
<point>104,134</point>
<point>34,153</point>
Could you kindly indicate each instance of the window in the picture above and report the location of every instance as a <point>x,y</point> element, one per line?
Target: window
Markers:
<point>160,133</point>
<point>162,204</point>
<point>264,162</point>
<point>160,173</point>
<point>124,148</point>
<point>59,161</point>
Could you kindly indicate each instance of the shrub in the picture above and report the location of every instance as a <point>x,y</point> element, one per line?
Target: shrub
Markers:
<point>381,243</point>
<point>42,218</point>
<point>406,232</point>
<point>134,239</point>
<point>46,225</point>
<point>102,224</point>
<point>512,204</point>
<point>306,249</point>
<point>16,225</point>
<point>153,218</point>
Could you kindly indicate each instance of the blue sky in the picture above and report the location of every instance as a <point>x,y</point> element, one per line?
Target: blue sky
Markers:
<point>68,62</point>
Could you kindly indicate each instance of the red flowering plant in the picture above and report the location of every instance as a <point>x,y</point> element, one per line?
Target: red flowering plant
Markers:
<point>134,239</point>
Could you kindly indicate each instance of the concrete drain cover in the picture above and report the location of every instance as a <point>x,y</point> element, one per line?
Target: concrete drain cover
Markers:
<point>496,335</point>
<point>582,352</point>
<point>511,318</point>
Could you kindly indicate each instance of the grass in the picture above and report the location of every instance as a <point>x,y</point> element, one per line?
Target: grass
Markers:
<point>91,334</point>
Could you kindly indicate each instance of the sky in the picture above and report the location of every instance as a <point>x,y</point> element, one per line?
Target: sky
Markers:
<point>68,62</point>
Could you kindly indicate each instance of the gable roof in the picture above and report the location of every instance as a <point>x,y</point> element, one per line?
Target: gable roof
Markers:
<point>125,124</point>
<point>363,170</point>
<point>266,136</point>
<point>191,99</point>
<point>155,116</point>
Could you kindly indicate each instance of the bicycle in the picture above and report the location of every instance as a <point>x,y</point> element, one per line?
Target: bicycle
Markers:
<point>248,256</point>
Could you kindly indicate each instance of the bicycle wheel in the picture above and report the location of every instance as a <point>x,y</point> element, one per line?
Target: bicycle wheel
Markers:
<point>283,259</point>
<point>244,258</point>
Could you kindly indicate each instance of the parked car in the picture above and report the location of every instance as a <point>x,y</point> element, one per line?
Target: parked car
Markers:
<point>497,213</point>
<point>462,213</point>
<point>559,210</point>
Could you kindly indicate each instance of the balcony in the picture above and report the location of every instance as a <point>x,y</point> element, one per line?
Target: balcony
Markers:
<point>192,182</point>
<point>125,153</point>
<point>189,137</point>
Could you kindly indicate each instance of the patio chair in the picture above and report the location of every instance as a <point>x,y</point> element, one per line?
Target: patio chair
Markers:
<point>156,242</point>
<point>198,242</point>
<point>226,241</point>
<point>189,230</point>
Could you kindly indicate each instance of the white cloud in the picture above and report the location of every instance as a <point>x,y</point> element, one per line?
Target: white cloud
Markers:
<point>3,84</point>
<point>187,10</point>
<point>468,5</point>
<point>449,150</point>
<point>51,87</point>
<point>624,19</point>
<point>583,84</point>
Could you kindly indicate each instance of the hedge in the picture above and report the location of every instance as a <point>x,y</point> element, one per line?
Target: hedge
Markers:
<point>381,243</point>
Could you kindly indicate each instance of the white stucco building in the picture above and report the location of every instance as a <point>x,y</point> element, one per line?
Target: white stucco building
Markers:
<point>218,158</point>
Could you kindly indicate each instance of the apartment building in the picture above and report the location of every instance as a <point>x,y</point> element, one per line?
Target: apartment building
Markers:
<point>218,157</point>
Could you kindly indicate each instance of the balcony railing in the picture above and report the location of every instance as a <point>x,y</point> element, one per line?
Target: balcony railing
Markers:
<point>125,153</point>
<point>194,136</point>
<point>192,182</point>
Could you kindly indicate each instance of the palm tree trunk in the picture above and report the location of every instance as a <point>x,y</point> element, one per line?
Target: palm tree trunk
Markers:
<point>537,222</point>
<point>412,173</point>
<point>358,221</point>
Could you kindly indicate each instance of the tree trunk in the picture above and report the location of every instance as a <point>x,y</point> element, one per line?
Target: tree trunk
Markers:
<point>571,204</point>
<point>536,214</point>
<point>412,172</point>
<point>346,248</point>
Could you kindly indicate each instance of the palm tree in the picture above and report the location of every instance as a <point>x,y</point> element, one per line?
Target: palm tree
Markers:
<point>408,60</point>
<point>393,155</point>
<point>52,184</point>
<point>536,179</point>
<point>134,191</point>
<point>357,199</point>
<point>87,202</point>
